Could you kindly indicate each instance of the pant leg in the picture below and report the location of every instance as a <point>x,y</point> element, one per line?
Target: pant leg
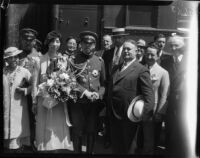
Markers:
<point>31,120</point>
<point>148,136</point>
<point>91,126</point>
<point>78,122</point>
<point>157,132</point>
<point>116,136</point>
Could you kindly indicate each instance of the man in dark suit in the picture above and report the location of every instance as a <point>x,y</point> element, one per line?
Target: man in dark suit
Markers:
<point>130,79</point>
<point>160,41</point>
<point>175,131</point>
<point>107,43</point>
<point>91,78</point>
<point>107,55</point>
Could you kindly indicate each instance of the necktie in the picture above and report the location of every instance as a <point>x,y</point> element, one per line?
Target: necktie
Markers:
<point>124,67</point>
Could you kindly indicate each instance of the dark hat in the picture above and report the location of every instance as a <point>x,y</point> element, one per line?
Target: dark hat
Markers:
<point>88,36</point>
<point>52,35</point>
<point>11,51</point>
<point>28,33</point>
<point>119,32</point>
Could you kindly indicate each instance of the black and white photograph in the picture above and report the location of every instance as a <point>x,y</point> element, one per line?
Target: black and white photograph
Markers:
<point>98,78</point>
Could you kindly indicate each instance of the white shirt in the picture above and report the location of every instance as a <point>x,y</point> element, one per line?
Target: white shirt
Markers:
<point>124,67</point>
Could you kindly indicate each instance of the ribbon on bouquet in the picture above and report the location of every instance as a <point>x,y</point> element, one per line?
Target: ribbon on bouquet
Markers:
<point>67,115</point>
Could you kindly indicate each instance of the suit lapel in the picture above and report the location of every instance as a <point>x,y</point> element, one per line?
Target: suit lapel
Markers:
<point>121,75</point>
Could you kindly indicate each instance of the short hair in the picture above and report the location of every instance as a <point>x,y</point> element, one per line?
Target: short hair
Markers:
<point>131,41</point>
<point>153,45</point>
<point>52,36</point>
<point>160,35</point>
<point>109,36</point>
<point>71,37</point>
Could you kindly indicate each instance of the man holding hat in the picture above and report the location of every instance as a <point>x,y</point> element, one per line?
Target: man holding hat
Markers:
<point>118,35</point>
<point>30,59</point>
<point>129,79</point>
<point>91,78</point>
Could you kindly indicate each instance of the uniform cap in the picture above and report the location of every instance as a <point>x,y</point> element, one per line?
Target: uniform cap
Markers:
<point>88,36</point>
<point>28,33</point>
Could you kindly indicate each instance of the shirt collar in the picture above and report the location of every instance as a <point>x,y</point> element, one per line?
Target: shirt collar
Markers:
<point>152,66</point>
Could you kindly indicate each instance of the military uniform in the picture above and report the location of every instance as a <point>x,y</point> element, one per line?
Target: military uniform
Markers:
<point>84,112</point>
<point>30,61</point>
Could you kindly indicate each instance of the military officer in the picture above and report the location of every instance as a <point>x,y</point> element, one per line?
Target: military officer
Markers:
<point>29,59</point>
<point>91,77</point>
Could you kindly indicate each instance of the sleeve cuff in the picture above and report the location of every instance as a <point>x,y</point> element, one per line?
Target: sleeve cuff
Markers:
<point>25,91</point>
<point>83,93</point>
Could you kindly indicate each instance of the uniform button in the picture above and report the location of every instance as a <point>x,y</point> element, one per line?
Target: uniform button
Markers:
<point>90,85</point>
<point>90,78</point>
<point>89,67</point>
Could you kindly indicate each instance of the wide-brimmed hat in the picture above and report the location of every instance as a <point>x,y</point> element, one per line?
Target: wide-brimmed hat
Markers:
<point>28,33</point>
<point>135,109</point>
<point>119,32</point>
<point>11,51</point>
<point>88,36</point>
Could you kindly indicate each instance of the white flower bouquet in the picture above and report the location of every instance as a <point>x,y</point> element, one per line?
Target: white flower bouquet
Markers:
<point>59,87</point>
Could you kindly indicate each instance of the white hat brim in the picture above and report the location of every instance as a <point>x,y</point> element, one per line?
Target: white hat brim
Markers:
<point>14,54</point>
<point>139,109</point>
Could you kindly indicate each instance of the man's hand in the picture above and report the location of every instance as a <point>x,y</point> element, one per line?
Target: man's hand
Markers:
<point>89,95</point>
<point>95,96</point>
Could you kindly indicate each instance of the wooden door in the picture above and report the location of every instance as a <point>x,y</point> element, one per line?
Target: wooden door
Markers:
<point>76,18</point>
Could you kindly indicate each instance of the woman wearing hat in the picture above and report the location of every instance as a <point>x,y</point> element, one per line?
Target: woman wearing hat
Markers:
<point>52,132</point>
<point>16,116</point>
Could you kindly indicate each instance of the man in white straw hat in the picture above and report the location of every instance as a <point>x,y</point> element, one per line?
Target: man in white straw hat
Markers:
<point>118,35</point>
<point>130,79</point>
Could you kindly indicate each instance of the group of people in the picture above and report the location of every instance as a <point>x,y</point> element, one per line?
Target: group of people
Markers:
<point>114,78</point>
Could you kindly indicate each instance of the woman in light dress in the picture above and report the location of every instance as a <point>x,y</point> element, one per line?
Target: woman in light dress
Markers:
<point>52,129</point>
<point>16,86</point>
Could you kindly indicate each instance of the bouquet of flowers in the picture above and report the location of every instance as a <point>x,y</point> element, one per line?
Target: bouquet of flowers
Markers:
<point>60,86</point>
